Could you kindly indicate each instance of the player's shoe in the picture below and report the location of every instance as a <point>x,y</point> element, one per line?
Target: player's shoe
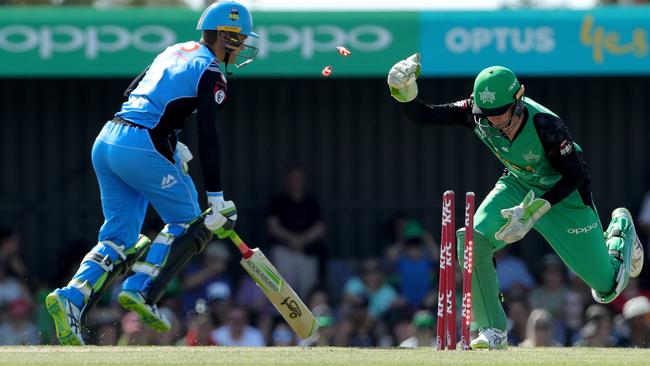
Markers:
<point>490,338</point>
<point>66,318</point>
<point>637,258</point>
<point>150,314</point>
<point>628,250</point>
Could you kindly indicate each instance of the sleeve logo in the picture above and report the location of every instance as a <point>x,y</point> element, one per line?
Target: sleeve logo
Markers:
<point>566,147</point>
<point>219,96</point>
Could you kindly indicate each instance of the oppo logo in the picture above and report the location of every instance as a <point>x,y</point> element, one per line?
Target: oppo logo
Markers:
<point>320,38</point>
<point>582,230</point>
<point>92,40</point>
<point>500,39</point>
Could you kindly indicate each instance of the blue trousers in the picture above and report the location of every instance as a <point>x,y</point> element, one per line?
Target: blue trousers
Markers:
<point>131,174</point>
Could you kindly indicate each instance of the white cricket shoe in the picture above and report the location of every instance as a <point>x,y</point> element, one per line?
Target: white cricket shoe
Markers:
<point>490,338</point>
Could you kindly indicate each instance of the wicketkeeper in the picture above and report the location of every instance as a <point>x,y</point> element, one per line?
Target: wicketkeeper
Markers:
<point>545,187</point>
<point>138,160</point>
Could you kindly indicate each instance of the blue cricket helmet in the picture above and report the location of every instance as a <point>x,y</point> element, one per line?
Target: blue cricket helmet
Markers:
<point>229,16</point>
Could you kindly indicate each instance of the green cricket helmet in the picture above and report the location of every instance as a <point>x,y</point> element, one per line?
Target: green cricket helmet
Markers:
<point>495,90</point>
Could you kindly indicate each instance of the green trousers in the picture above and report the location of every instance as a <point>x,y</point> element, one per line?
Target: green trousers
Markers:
<point>572,228</point>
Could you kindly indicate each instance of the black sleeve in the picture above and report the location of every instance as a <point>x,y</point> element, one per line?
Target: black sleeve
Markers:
<point>451,114</point>
<point>135,82</point>
<point>211,94</point>
<point>562,155</point>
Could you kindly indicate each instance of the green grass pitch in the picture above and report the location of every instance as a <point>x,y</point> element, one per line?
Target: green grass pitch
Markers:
<point>140,356</point>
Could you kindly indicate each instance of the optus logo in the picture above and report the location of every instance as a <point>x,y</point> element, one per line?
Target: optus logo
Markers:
<point>500,39</point>
<point>92,40</point>
<point>320,38</point>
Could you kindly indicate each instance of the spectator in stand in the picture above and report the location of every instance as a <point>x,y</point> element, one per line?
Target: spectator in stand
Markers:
<point>237,332</point>
<point>10,253</point>
<point>209,269</point>
<point>296,227</point>
<point>250,297</point>
<point>402,226</point>
<point>518,313</point>
<point>17,328</point>
<point>133,331</point>
<point>514,277</point>
<point>577,298</point>
<point>282,335</point>
<point>637,315</point>
<point>632,290</point>
<point>11,289</point>
<point>199,331</point>
<point>424,323</point>
<point>326,327</point>
<point>539,330</point>
<point>552,294</point>
<point>372,284</point>
<point>218,303</point>
<point>318,297</point>
<point>413,267</point>
<point>599,328</point>
<point>357,327</point>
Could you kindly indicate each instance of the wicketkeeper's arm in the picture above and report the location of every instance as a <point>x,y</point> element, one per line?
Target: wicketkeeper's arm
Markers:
<point>563,156</point>
<point>450,114</point>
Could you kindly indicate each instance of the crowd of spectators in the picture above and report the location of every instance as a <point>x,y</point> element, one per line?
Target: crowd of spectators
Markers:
<point>386,300</point>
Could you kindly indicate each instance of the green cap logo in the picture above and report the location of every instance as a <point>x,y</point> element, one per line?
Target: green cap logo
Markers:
<point>494,91</point>
<point>487,96</point>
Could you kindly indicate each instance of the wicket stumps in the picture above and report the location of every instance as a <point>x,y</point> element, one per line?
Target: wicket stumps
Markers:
<point>446,326</point>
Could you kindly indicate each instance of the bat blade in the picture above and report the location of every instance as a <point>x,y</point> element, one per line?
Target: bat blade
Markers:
<point>280,294</point>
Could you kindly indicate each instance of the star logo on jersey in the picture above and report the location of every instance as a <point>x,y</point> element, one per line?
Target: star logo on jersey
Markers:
<point>168,181</point>
<point>487,96</point>
<point>530,156</point>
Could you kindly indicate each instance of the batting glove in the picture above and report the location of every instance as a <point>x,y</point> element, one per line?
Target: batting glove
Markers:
<point>521,218</point>
<point>184,155</point>
<point>223,216</point>
<point>401,79</point>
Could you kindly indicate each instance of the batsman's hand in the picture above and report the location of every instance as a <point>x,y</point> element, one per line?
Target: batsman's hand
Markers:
<point>184,155</point>
<point>521,218</point>
<point>401,79</point>
<point>223,217</point>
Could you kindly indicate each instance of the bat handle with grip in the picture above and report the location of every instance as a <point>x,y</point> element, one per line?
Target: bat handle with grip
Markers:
<point>246,252</point>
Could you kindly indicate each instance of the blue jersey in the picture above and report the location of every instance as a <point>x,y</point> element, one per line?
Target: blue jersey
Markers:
<point>184,78</point>
<point>172,79</point>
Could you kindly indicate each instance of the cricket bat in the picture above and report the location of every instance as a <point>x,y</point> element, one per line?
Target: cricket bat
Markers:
<point>276,289</point>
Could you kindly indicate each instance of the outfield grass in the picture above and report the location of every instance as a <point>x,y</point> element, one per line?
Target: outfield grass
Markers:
<point>139,356</point>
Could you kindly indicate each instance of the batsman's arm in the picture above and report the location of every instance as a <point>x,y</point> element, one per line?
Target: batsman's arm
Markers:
<point>209,105</point>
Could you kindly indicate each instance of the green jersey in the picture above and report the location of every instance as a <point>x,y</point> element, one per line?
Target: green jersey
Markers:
<point>541,155</point>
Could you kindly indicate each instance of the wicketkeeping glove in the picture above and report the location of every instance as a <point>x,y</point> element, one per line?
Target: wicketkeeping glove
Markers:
<point>223,216</point>
<point>522,217</point>
<point>401,79</point>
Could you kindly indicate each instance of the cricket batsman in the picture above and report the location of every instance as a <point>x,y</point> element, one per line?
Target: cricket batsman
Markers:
<point>545,187</point>
<point>138,160</point>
